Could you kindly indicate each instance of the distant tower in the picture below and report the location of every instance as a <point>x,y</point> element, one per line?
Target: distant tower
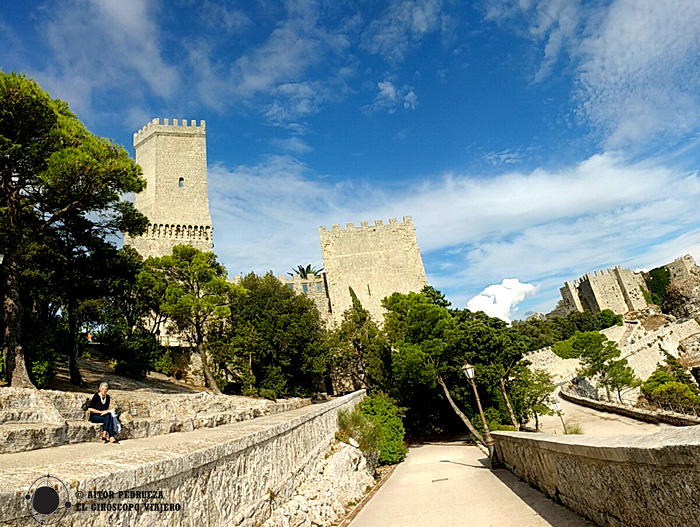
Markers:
<point>375,260</point>
<point>174,162</point>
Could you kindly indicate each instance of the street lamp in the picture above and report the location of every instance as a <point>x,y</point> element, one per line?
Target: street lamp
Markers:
<point>468,370</point>
<point>557,407</point>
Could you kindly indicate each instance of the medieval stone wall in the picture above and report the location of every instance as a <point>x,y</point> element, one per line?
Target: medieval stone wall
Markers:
<point>636,481</point>
<point>617,289</point>
<point>314,287</point>
<point>375,260</point>
<point>174,163</point>
<point>683,267</point>
<point>235,475</point>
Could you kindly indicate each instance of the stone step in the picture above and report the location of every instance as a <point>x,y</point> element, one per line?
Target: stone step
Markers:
<point>146,417</point>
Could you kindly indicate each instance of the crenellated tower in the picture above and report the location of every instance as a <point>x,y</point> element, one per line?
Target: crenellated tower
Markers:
<point>375,260</point>
<point>174,162</point>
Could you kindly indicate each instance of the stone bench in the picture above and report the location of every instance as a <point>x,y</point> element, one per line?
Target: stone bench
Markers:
<point>33,419</point>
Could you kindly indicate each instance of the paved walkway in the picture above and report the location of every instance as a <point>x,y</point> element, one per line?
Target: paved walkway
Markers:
<point>450,485</point>
<point>595,423</point>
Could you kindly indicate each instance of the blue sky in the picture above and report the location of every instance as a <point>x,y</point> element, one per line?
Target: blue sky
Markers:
<point>531,141</point>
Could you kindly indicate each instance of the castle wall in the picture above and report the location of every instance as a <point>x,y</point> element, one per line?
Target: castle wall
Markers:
<point>571,299</point>
<point>681,267</point>
<point>631,286</point>
<point>375,261</point>
<point>174,163</point>
<point>608,292</point>
<point>314,287</point>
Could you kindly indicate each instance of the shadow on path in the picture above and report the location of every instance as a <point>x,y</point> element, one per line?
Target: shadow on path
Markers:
<point>546,507</point>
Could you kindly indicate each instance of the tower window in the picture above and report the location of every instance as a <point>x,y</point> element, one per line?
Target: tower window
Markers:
<point>182,182</point>
<point>305,288</point>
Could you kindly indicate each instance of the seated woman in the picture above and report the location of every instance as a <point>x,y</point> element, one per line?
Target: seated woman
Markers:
<point>99,413</point>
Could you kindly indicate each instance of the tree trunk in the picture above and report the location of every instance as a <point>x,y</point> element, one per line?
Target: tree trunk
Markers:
<point>15,366</point>
<point>459,412</point>
<point>75,377</point>
<point>537,422</point>
<point>208,377</point>
<point>607,390</point>
<point>510,408</point>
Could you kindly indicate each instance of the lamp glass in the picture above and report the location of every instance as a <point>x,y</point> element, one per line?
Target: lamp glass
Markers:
<point>468,370</point>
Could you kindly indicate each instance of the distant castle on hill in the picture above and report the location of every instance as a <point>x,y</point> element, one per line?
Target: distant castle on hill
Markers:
<point>617,289</point>
<point>375,260</point>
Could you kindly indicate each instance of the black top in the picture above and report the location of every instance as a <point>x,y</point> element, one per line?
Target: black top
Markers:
<point>96,403</point>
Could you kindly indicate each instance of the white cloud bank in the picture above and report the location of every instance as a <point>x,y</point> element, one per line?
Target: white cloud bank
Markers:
<point>634,63</point>
<point>501,300</point>
<point>543,226</point>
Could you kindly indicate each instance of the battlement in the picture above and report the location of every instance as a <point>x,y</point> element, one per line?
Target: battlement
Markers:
<point>407,221</point>
<point>178,127</point>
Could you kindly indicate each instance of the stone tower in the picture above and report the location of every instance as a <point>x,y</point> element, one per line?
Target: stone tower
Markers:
<point>375,261</point>
<point>174,162</point>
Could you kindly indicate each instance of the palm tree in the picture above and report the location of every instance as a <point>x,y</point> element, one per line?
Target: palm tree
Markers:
<point>306,272</point>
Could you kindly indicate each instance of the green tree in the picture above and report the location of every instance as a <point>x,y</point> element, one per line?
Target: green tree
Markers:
<point>132,316</point>
<point>53,171</point>
<point>608,318</point>
<point>197,295</point>
<point>670,384</point>
<point>274,341</point>
<point>621,375</point>
<point>362,349</point>
<point>588,343</point>
<point>602,361</point>
<point>533,394</point>
<point>658,280</point>
<point>489,343</point>
<point>429,351</point>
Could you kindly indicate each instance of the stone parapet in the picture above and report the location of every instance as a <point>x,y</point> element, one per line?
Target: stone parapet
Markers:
<point>649,416</point>
<point>232,475</point>
<point>649,480</point>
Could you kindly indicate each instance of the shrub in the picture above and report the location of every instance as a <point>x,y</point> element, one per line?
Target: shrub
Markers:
<point>164,363</point>
<point>360,428</point>
<point>382,411</point>
<point>574,429</point>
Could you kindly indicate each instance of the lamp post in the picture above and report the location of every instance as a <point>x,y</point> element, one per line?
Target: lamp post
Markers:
<point>468,370</point>
<point>557,407</point>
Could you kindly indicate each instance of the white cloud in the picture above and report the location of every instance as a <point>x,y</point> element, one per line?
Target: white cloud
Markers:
<point>390,98</point>
<point>543,226</point>
<point>501,300</point>
<point>292,145</point>
<point>634,64</point>
<point>98,46</point>
<point>401,27</point>
<point>294,100</point>
<point>639,72</point>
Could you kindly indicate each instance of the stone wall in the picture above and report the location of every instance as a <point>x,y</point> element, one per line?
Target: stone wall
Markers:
<point>234,475</point>
<point>315,288</point>
<point>616,289</point>
<point>648,416</point>
<point>33,419</point>
<point>649,480</point>
<point>375,260</point>
<point>643,354</point>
